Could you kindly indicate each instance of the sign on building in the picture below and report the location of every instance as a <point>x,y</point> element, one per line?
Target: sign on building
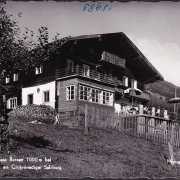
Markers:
<point>106,56</point>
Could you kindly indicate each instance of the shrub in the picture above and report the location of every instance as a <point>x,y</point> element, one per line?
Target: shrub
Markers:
<point>42,113</point>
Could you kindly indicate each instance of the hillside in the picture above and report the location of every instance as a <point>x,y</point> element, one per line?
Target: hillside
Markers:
<point>164,88</point>
<point>101,153</point>
<point>160,93</point>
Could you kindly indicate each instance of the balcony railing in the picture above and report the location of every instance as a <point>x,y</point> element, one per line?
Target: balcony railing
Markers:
<point>88,73</point>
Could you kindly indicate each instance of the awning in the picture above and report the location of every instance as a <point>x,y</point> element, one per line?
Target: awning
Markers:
<point>133,90</point>
<point>174,100</point>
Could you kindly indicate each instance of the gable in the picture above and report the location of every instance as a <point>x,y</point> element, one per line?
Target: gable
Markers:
<point>117,44</point>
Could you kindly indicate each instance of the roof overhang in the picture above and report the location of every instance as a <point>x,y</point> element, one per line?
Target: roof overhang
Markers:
<point>126,49</point>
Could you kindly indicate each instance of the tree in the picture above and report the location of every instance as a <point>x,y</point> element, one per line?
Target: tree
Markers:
<point>21,52</point>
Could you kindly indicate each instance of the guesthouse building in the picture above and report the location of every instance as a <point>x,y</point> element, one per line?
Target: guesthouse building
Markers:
<point>103,70</point>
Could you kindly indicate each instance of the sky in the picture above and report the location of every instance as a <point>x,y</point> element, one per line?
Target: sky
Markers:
<point>153,27</point>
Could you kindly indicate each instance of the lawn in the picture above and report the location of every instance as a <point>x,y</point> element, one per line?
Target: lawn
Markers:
<point>100,154</point>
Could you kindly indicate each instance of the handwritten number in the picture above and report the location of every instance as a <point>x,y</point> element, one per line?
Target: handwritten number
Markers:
<point>110,8</point>
<point>91,8</point>
<point>104,7</point>
<point>98,7</point>
<point>85,7</point>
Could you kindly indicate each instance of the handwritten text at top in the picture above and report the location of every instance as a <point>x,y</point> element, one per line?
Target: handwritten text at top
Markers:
<point>98,7</point>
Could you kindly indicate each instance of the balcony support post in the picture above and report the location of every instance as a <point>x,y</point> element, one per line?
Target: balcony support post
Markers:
<point>93,74</point>
<point>105,77</point>
<point>77,69</point>
<point>115,81</point>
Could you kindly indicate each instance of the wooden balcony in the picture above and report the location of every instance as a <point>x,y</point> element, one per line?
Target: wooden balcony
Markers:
<point>90,74</point>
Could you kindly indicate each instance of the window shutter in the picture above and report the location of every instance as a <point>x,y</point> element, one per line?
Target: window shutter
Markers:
<point>103,55</point>
<point>135,84</point>
<point>89,94</point>
<point>7,80</point>
<point>58,88</point>
<point>101,97</point>
<point>36,70</point>
<point>111,99</point>
<point>126,81</point>
<point>15,77</point>
<point>41,69</point>
<point>8,104</point>
<point>67,93</point>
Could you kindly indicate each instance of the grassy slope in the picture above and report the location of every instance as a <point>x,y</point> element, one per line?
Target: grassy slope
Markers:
<point>102,153</point>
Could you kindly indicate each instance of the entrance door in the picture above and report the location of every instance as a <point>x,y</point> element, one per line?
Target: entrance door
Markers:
<point>30,99</point>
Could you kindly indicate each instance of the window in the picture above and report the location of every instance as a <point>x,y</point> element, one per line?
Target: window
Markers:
<point>125,81</point>
<point>83,93</point>
<point>70,92</point>
<point>30,99</point>
<point>39,70</point>
<point>86,71</point>
<point>15,77</point>
<point>95,95</point>
<point>7,80</point>
<point>133,84</point>
<point>89,94</point>
<point>12,103</point>
<point>46,96</point>
<point>104,97</point>
<point>108,98</point>
<point>70,65</point>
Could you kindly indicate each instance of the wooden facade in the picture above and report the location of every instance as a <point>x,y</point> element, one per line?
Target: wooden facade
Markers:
<point>99,64</point>
<point>93,70</point>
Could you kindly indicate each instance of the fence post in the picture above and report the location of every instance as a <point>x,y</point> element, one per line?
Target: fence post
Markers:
<point>164,127</point>
<point>141,109</point>
<point>86,121</point>
<point>172,135</point>
<point>139,119</point>
<point>152,121</point>
<point>165,114</point>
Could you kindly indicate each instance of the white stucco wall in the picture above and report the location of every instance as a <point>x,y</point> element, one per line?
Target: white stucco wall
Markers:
<point>38,96</point>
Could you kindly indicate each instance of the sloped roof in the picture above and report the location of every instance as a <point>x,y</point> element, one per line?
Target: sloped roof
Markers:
<point>126,48</point>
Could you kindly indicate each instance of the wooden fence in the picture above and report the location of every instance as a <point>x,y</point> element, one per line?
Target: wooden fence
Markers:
<point>150,127</point>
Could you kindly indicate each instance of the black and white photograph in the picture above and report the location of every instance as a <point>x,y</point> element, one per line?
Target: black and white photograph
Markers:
<point>89,89</point>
